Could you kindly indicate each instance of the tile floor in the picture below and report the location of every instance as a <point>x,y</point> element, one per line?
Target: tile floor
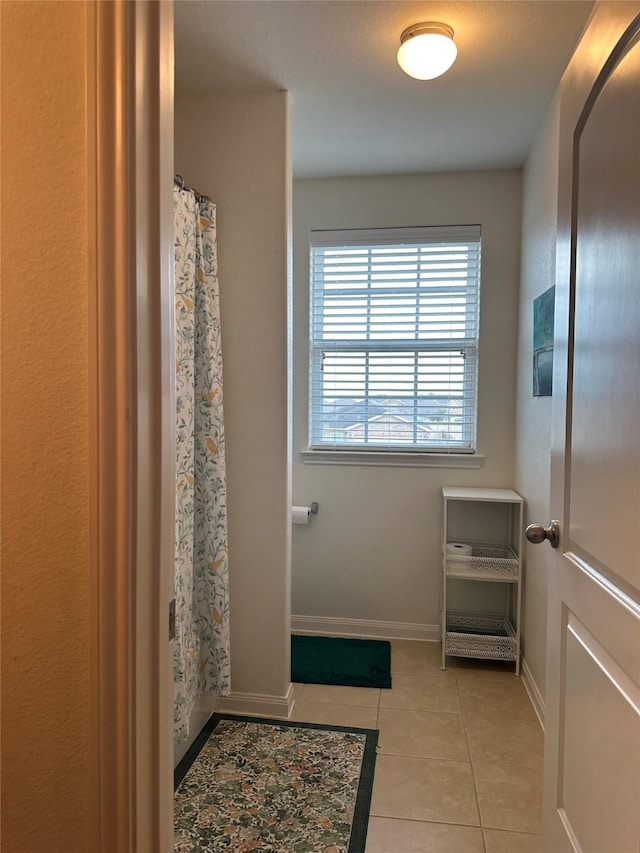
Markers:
<point>459,766</point>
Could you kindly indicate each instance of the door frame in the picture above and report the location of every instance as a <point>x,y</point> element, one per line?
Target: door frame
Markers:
<point>130,142</point>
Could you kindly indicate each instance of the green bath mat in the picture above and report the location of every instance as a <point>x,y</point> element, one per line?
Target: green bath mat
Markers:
<point>338,660</point>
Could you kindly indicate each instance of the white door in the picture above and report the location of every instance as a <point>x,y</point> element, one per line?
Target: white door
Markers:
<point>592,758</point>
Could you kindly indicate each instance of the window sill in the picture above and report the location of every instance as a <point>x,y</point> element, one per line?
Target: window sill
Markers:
<point>392,459</point>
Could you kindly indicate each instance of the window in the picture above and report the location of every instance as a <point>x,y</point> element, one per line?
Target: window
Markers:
<point>394,339</point>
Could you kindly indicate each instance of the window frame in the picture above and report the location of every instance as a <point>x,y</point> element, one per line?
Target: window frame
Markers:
<point>350,452</point>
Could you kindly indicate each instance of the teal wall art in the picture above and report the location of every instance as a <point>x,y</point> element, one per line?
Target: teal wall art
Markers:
<point>543,314</point>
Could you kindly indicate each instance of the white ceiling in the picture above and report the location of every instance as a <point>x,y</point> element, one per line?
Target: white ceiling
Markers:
<point>354,112</point>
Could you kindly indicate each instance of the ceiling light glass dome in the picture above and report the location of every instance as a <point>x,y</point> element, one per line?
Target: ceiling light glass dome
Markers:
<point>427,50</point>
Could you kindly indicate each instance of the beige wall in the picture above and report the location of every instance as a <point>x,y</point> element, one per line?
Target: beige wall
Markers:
<point>46,758</point>
<point>236,150</point>
<point>533,422</point>
<point>373,552</point>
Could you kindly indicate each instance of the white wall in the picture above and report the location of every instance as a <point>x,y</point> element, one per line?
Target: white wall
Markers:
<point>373,551</point>
<point>236,150</point>
<point>533,422</point>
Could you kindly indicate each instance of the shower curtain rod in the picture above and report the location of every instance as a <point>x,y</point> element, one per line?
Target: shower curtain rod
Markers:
<point>178,180</point>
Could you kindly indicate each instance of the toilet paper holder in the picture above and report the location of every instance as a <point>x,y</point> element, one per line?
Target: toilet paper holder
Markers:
<point>302,514</point>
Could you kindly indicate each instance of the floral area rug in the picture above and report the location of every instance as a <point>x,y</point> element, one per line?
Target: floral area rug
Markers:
<point>250,784</point>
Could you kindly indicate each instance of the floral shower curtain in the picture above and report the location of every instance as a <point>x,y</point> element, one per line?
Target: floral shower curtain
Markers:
<point>201,657</point>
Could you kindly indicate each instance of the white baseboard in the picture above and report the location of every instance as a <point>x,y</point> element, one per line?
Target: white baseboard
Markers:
<point>329,626</point>
<point>250,704</point>
<point>257,704</point>
<point>534,693</point>
<point>206,705</point>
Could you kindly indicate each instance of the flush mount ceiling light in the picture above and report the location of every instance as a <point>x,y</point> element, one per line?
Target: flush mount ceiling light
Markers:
<point>427,50</point>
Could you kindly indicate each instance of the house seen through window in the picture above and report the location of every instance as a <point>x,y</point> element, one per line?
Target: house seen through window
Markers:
<point>394,339</point>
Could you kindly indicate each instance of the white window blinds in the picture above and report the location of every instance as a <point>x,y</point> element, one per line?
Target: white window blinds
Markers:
<point>394,339</point>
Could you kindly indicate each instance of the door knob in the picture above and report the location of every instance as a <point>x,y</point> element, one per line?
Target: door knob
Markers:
<point>536,533</point>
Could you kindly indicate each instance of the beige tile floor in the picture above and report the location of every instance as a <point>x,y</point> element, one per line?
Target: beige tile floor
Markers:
<point>459,767</point>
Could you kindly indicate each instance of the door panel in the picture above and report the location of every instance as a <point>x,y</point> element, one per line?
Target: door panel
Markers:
<point>600,709</point>
<point>592,718</point>
<point>605,451</point>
